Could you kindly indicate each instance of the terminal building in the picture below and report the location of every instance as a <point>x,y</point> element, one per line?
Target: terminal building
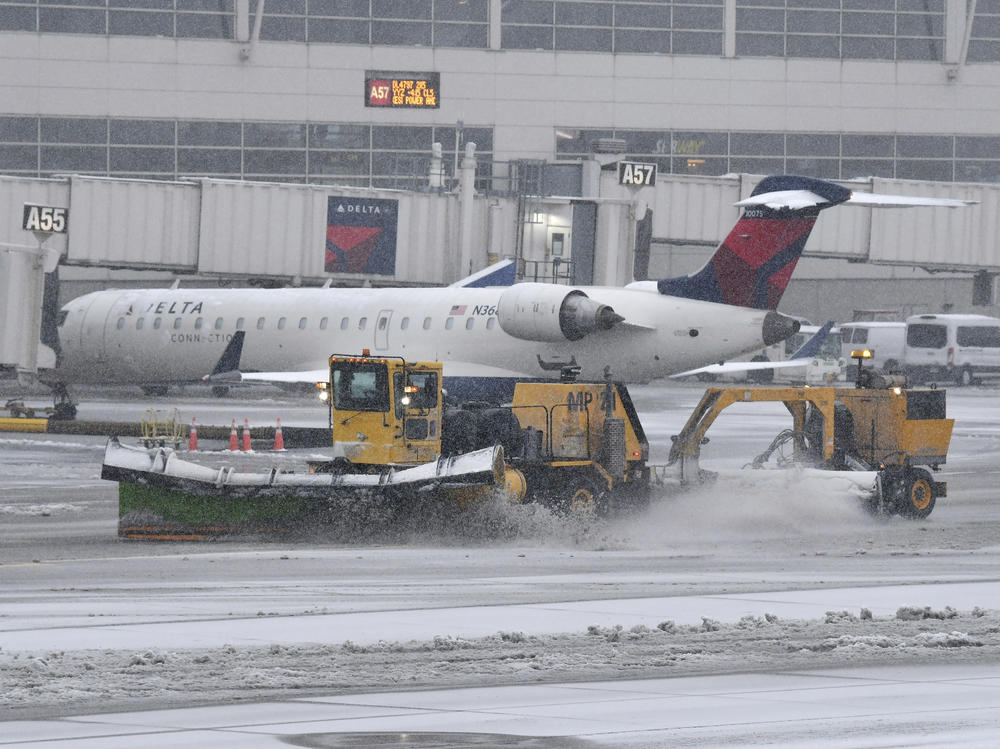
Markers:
<point>355,94</point>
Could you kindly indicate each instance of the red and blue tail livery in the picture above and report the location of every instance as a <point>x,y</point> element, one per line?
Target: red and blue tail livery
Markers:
<point>754,263</point>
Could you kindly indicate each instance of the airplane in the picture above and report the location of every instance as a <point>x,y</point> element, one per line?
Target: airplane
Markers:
<point>483,334</point>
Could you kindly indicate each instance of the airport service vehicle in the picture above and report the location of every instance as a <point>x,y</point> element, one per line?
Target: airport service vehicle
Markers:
<point>955,348</point>
<point>576,446</point>
<point>884,339</point>
<point>878,436</point>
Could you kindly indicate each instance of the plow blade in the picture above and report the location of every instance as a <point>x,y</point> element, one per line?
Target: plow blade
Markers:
<point>162,496</point>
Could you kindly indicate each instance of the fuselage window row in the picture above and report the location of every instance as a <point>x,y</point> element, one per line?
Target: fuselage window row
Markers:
<point>383,323</point>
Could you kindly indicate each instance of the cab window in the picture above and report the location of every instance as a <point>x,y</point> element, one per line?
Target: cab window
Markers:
<point>361,387</point>
<point>423,395</point>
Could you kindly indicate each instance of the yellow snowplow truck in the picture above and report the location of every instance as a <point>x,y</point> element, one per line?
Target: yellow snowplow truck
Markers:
<point>879,434</point>
<point>575,446</point>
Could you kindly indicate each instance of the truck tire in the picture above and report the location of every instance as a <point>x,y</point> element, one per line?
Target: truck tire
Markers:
<point>918,499</point>
<point>585,499</point>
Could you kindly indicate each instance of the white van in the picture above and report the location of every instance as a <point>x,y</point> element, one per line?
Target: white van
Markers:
<point>884,339</point>
<point>960,348</point>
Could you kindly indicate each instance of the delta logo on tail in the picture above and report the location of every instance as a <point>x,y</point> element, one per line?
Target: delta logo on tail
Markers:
<point>753,265</point>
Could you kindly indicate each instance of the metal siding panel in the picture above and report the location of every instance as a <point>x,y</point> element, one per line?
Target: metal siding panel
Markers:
<point>259,229</point>
<point>134,224</point>
<point>425,252</point>
<point>936,237</point>
<point>694,209</point>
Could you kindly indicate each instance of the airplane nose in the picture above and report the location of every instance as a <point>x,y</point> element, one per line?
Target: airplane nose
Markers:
<point>777,327</point>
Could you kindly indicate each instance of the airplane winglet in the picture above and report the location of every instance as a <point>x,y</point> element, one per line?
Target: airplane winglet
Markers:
<point>811,347</point>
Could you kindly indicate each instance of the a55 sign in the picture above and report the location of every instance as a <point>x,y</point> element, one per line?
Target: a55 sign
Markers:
<point>45,218</point>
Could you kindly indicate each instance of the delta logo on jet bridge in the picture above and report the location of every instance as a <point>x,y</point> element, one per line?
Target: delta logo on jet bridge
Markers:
<point>361,235</point>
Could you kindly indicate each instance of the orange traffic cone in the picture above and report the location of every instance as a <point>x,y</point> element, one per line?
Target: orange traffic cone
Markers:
<point>279,438</point>
<point>193,437</point>
<point>234,442</point>
<point>246,435</point>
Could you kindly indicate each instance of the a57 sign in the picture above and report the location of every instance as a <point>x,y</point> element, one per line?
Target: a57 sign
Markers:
<point>636,173</point>
<point>45,218</point>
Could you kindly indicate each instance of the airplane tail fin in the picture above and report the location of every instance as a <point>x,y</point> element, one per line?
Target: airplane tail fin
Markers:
<point>228,366</point>
<point>754,263</point>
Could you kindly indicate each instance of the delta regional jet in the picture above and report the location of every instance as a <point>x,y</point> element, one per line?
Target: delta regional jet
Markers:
<point>647,330</point>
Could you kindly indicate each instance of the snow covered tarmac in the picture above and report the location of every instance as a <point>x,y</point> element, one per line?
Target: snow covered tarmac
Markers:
<point>716,603</point>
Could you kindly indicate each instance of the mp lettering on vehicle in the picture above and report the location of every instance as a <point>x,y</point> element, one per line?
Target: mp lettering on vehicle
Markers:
<point>45,218</point>
<point>636,173</point>
<point>579,401</point>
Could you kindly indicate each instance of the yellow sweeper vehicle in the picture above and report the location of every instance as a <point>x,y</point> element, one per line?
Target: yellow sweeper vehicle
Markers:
<point>879,436</point>
<point>575,446</point>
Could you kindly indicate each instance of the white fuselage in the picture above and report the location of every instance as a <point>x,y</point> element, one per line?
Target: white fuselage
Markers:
<point>171,335</point>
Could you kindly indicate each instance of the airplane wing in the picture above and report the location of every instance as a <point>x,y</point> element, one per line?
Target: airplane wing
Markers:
<point>742,366</point>
<point>498,274</point>
<point>304,376</point>
<point>800,358</point>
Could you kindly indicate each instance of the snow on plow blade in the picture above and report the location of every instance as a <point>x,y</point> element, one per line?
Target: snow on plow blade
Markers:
<point>162,496</point>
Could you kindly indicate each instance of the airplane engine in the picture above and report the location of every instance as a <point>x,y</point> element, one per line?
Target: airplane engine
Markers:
<point>543,312</point>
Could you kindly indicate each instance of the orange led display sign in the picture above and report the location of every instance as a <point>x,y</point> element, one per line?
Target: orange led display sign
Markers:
<point>402,90</point>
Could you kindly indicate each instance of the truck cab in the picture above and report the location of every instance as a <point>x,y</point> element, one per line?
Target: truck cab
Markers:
<point>385,410</point>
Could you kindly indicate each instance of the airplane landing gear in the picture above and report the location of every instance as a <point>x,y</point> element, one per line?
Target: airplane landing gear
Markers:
<point>63,407</point>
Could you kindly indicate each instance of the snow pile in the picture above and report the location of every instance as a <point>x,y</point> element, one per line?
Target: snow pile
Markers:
<point>43,510</point>
<point>947,640</point>
<point>63,682</point>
